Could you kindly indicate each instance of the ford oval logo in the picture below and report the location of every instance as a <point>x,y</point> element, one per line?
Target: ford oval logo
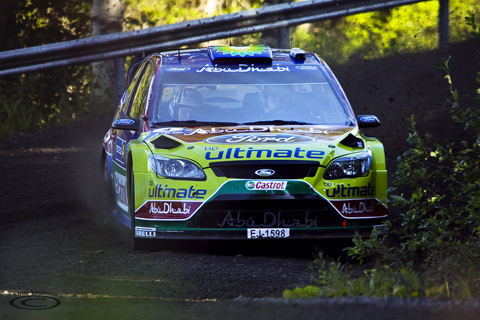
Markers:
<point>265,172</point>
<point>125,122</point>
<point>368,119</point>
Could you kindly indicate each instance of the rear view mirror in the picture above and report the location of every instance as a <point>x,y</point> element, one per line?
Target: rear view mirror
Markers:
<point>126,124</point>
<point>368,121</point>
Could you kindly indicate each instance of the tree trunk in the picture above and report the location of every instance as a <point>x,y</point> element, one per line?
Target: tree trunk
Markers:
<point>109,76</point>
<point>8,25</point>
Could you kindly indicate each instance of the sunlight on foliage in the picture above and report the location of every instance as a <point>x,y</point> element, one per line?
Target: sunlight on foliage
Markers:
<point>143,14</point>
<point>372,35</point>
<point>333,280</point>
<point>405,29</point>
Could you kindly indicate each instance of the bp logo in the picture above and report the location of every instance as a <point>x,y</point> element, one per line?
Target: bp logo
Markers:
<point>241,51</point>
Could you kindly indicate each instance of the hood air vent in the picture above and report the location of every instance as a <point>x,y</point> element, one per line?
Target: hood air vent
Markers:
<point>353,142</point>
<point>163,142</point>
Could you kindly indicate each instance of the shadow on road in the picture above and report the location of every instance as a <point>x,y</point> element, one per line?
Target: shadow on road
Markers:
<point>299,249</point>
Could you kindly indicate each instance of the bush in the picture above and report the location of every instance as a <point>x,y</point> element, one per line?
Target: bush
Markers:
<point>440,223</point>
<point>433,247</point>
<point>38,100</point>
<point>34,101</point>
<point>335,280</point>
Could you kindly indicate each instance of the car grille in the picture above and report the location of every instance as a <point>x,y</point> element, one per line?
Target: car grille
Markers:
<point>283,169</point>
<point>255,211</point>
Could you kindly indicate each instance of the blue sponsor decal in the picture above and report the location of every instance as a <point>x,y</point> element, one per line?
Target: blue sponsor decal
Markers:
<point>120,150</point>
<point>306,68</point>
<point>125,122</point>
<point>124,97</point>
<point>177,69</point>
<point>243,153</point>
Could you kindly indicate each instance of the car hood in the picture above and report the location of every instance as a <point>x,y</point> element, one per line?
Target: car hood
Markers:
<point>248,143</point>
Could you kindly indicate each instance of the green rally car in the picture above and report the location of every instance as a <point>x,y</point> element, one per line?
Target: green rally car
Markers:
<point>241,143</point>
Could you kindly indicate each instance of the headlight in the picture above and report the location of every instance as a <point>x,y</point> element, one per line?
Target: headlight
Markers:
<point>347,167</point>
<point>175,168</point>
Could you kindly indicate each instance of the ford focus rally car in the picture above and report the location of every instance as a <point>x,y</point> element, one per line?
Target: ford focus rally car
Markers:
<point>241,143</point>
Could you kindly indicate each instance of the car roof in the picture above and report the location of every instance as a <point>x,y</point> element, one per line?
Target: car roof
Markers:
<point>234,56</point>
<point>244,55</point>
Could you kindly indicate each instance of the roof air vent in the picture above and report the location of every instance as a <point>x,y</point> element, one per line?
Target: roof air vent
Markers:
<point>235,55</point>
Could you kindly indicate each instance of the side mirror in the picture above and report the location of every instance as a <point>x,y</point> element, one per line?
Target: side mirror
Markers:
<point>126,124</point>
<point>368,121</point>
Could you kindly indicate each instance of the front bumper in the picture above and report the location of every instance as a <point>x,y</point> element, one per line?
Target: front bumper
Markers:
<point>234,210</point>
<point>241,234</point>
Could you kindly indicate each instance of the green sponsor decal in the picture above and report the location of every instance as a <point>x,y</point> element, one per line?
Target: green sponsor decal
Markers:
<point>241,51</point>
<point>262,186</point>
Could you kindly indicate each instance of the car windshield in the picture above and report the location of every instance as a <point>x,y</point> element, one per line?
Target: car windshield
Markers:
<point>248,95</point>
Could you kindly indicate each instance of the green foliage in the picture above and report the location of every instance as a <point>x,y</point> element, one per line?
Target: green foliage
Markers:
<point>38,22</point>
<point>334,280</point>
<point>437,233</point>
<point>440,224</point>
<point>470,21</point>
<point>405,29</point>
<point>143,14</point>
<point>37,100</point>
<point>12,113</point>
<point>433,247</point>
<point>372,35</point>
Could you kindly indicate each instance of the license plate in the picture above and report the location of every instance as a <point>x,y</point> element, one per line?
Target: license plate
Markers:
<point>268,233</point>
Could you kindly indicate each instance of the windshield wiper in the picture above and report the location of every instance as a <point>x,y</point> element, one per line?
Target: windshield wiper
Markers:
<point>278,122</point>
<point>193,123</point>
